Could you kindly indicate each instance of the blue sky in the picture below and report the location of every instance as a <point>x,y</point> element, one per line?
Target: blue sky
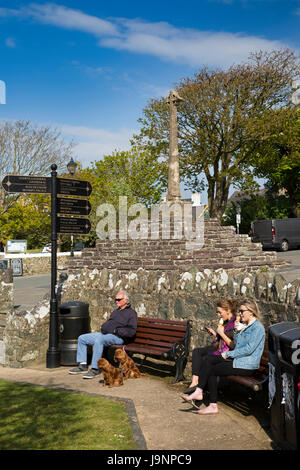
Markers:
<point>89,67</point>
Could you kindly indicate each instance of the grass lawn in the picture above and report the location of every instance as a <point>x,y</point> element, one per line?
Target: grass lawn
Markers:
<point>37,418</point>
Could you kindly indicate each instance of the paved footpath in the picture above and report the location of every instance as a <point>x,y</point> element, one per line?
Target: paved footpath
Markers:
<point>163,420</point>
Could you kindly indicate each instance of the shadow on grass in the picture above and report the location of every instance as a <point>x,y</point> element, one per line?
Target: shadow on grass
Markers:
<point>37,418</point>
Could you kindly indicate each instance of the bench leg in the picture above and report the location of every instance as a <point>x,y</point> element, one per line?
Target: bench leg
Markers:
<point>180,364</point>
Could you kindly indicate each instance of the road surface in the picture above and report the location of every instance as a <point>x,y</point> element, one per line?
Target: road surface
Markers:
<point>28,290</point>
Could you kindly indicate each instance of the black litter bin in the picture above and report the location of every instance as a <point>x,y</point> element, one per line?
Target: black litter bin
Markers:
<point>74,320</point>
<point>284,393</point>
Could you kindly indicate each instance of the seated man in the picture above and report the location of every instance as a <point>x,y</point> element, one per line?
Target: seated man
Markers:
<point>121,325</point>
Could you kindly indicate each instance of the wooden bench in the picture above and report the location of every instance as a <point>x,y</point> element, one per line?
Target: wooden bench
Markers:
<point>163,339</point>
<point>260,376</point>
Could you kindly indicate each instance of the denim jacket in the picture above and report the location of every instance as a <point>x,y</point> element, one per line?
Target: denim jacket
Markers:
<point>249,346</point>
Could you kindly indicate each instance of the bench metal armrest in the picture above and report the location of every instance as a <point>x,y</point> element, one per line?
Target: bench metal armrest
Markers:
<point>180,349</point>
<point>258,386</point>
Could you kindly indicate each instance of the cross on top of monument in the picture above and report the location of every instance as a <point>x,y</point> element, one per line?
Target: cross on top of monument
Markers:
<point>173,97</point>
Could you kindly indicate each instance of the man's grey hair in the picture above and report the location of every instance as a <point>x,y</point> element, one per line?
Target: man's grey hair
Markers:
<point>126,295</point>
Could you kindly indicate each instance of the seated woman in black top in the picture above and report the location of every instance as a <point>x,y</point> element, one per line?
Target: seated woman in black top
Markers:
<point>223,339</point>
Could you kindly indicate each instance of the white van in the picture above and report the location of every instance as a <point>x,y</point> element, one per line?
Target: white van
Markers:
<point>280,234</point>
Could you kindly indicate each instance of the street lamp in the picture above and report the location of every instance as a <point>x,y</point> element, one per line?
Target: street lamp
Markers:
<point>71,166</point>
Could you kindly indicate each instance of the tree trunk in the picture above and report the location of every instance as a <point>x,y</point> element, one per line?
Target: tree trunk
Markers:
<point>218,197</point>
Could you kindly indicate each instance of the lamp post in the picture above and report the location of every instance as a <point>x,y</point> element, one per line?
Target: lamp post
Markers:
<point>71,166</point>
<point>53,353</point>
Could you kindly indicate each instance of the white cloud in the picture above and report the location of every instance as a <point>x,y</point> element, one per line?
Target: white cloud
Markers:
<point>10,42</point>
<point>160,39</point>
<point>63,17</point>
<point>187,45</point>
<point>94,143</point>
<point>69,18</point>
<point>6,12</point>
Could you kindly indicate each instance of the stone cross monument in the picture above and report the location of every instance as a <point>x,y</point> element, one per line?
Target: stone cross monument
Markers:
<point>173,180</point>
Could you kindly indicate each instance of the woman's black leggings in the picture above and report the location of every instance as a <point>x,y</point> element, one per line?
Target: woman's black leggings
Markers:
<point>197,358</point>
<point>214,366</point>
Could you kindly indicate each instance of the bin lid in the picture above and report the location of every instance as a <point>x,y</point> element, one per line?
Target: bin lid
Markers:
<point>286,331</point>
<point>73,308</point>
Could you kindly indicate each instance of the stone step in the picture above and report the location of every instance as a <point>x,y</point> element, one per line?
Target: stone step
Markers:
<point>222,248</point>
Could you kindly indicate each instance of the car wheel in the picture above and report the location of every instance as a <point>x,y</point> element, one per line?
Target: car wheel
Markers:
<point>284,246</point>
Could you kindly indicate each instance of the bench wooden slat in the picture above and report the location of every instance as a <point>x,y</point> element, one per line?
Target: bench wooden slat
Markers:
<point>149,341</point>
<point>157,336</point>
<point>162,327</point>
<point>141,349</point>
<point>167,331</point>
<point>173,323</point>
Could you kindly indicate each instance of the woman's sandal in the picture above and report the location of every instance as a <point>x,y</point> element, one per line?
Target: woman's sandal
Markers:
<point>190,390</point>
<point>192,402</point>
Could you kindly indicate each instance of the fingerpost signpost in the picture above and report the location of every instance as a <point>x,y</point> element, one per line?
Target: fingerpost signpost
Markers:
<point>65,206</point>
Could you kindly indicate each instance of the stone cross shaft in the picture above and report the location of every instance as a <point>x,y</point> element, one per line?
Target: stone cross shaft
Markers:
<point>173,178</point>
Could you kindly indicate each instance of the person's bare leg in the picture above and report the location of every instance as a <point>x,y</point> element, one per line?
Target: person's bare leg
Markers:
<point>195,380</point>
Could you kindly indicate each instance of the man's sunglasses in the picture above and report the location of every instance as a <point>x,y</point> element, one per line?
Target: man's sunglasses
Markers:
<point>118,300</point>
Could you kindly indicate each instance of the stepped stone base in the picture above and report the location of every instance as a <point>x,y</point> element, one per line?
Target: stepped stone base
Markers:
<point>222,248</point>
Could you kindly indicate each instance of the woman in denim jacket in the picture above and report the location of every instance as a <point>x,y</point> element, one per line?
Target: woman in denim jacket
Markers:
<point>244,359</point>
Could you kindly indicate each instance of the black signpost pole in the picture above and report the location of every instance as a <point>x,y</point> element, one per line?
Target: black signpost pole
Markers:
<point>53,353</point>
<point>65,206</point>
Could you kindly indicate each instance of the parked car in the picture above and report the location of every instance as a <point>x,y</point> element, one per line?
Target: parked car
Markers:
<point>78,246</point>
<point>280,234</point>
<point>47,248</point>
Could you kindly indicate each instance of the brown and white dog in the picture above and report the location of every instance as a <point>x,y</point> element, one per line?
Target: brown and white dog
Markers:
<point>112,377</point>
<point>128,367</point>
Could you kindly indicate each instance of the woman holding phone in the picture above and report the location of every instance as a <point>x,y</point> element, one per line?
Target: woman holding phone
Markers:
<point>244,359</point>
<point>223,339</point>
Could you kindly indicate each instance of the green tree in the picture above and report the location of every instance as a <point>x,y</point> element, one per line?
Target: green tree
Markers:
<point>28,219</point>
<point>256,207</point>
<point>137,174</point>
<point>277,158</point>
<point>217,122</point>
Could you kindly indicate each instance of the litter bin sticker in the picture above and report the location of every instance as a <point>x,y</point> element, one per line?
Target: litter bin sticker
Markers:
<point>288,396</point>
<point>272,385</point>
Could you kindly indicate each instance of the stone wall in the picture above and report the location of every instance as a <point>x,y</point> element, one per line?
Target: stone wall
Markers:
<point>26,336</point>
<point>186,295</point>
<point>6,306</point>
<point>180,296</point>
